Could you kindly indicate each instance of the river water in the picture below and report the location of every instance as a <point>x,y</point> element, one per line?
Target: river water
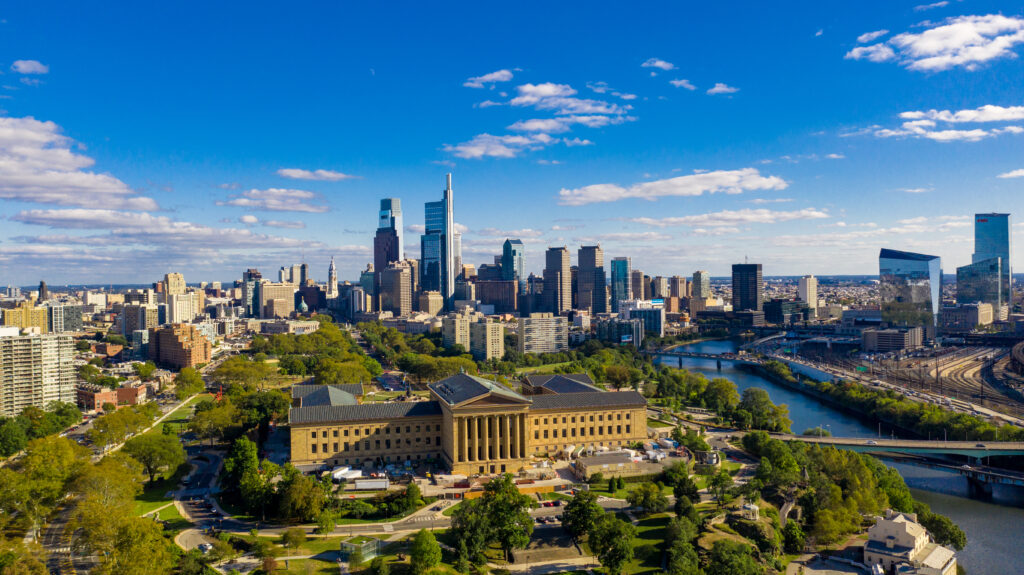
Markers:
<point>995,530</point>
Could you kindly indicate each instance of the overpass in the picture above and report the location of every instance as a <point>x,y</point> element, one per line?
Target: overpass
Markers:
<point>971,449</point>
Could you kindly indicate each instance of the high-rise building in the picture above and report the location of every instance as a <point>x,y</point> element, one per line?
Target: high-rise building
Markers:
<point>807,291</point>
<point>591,292</point>
<point>387,243</point>
<point>981,282</point>
<point>678,287</point>
<point>35,370</point>
<point>27,316</point>
<point>437,245</point>
<point>486,339</point>
<point>513,263</point>
<point>332,281</point>
<point>621,288</point>
<point>390,217</point>
<point>909,288</point>
<point>250,280</point>
<point>652,314</point>
<point>557,280</point>
<point>396,289</point>
<point>543,333</point>
<point>179,346</point>
<point>455,329</point>
<point>276,299</point>
<point>659,288</point>
<point>44,292</point>
<point>747,287</point>
<point>136,317</point>
<point>636,285</point>
<point>431,302</point>
<point>502,294</point>
<point>701,285</point>
<point>993,239</point>
<point>174,283</point>
<point>181,308</point>
<point>65,318</point>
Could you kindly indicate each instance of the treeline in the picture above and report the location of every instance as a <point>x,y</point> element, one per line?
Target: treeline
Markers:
<point>114,427</point>
<point>753,409</point>
<point>282,494</point>
<point>924,419</point>
<point>237,413</point>
<point>34,423</point>
<point>329,354</point>
<point>837,489</point>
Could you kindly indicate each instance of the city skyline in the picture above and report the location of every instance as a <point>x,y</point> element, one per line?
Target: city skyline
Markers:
<point>121,165</point>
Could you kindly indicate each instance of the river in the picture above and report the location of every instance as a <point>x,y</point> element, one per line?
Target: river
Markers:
<point>995,530</point>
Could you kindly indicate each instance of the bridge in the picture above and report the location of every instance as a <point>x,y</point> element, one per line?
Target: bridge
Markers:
<point>971,449</point>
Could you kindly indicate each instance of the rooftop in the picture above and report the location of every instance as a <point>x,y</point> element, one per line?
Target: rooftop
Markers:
<point>462,387</point>
<point>366,412</point>
<point>558,383</point>
<point>589,399</point>
<point>300,391</point>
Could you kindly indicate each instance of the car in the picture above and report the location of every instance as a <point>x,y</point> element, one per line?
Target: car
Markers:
<point>205,547</point>
<point>870,442</point>
<point>559,502</point>
<point>965,466</point>
<point>981,445</point>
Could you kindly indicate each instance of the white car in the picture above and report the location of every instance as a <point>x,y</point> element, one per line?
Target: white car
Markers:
<point>205,547</point>
<point>870,442</point>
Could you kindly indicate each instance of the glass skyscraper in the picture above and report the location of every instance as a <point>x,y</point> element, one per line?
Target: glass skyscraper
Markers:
<point>747,287</point>
<point>391,218</point>
<point>981,282</point>
<point>992,239</point>
<point>437,246</point>
<point>513,263</point>
<point>909,288</point>
<point>620,282</point>
<point>387,243</point>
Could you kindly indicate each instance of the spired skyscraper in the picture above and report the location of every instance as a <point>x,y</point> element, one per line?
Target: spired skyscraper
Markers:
<point>909,288</point>
<point>437,246</point>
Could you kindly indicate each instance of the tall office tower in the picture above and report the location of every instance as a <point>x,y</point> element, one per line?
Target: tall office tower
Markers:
<point>909,288</point>
<point>993,239</point>
<point>981,282</point>
<point>65,318</point>
<point>332,280</point>
<point>437,245</point>
<point>44,293</point>
<point>396,289</point>
<point>250,279</point>
<point>181,308</point>
<point>807,291</point>
<point>659,288</point>
<point>543,333</point>
<point>701,285</point>
<point>677,287</point>
<point>513,263</point>
<point>591,292</point>
<point>276,300</point>
<point>174,283</point>
<point>387,244</point>
<point>557,280</point>
<point>139,317</point>
<point>303,273</point>
<point>457,252</point>
<point>621,288</point>
<point>747,287</point>
<point>636,285</point>
<point>36,370</point>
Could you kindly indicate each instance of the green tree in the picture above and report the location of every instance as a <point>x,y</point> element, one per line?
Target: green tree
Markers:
<point>720,484</point>
<point>12,437</point>
<point>144,370</point>
<point>156,452</point>
<point>649,497</point>
<point>326,522</point>
<point>682,559</point>
<point>471,527</point>
<point>425,553</point>
<point>612,542</point>
<point>686,487</point>
<point>581,514</point>
<point>793,537</point>
<point>507,511</point>
<point>244,456</point>
<point>721,396</point>
<point>684,507</point>
<point>187,383</point>
<point>732,558</point>
<point>380,566</point>
<point>944,531</point>
<point>293,538</point>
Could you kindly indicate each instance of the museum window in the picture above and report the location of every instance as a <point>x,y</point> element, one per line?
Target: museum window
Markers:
<point>325,448</point>
<point>323,433</point>
<point>312,448</point>
<point>627,429</point>
<point>335,447</point>
<point>335,433</point>
<point>313,436</point>
<point>345,433</point>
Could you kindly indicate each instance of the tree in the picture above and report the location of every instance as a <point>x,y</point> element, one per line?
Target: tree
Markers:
<point>617,375</point>
<point>721,396</point>
<point>683,507</point>
<point>649,497</point>
<point>941,528</point>
<point>12,437</point>
<point>144,370</point>
<point>612,542</point>
<point>686,488</point>
<point>243,456</point>
<point>326,522</point>
<point>19,558</point>
<point>380,566</point>
<point>411,498</point>
<point>682,559</point>
<point>720,484</point>
<point>187,383</point>
<point>472,528</point>
<point>300,497</point>
<point>732,558</point>
<point>596,478</point>
<point>293,538</point>
<point>425,553</point>
<point>680,529</point>
<point>581,514</point>
<point>507,512</point>
<point>156,452</point>
<point>793,537</point>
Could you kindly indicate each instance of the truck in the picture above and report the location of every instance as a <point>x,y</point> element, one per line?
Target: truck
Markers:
<point>376,484</point>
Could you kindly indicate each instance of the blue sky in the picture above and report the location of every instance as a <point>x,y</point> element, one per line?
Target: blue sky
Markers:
<point>140,139</point>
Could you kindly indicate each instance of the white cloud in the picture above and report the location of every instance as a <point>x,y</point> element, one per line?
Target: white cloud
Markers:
<point>564,123</point>
<point>416,228</point>
<point>577,142</point>
<point>924,7</point>
<point>871,36</point>
<point>249,219</point>
<point>762,201</point>
<point>835,156</point>
<point>30,67</point>
<point>987,113</point>
<point>915,190</point>
<point>720,181</point>
<point>490,146</point>
<point>286,224</point>
<point>963,41</point>
<point>558,98</point>
<point>544,162</point>
<point>521,233</point>
<point>658,63</point>
<point>922,124</point>
<point>819,32</point>
<point>1013,174</point>
<point>683,83</point>
<point>624,237</point>
<point>276,200</point>
<point>37,165</point>
<point>721,88</point>
<point>317,175</point>
<point>734,218</point>
<point>491,79</point>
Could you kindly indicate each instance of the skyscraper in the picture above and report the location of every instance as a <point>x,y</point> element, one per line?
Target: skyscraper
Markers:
<point>981,282</point>
<point>701,285</point>
<point>437,245</point>
<point>513,263</point>
<point>636,284</point>
<point>621,288</point>
<point>909,287</point>
<point>396,289</point>
<point>387,243</point>
<point>747,287</point>
<point>332,280</point>
<point>44,292</point>
<point>807,291</point>
<point>557,280</point>
<point>174,283</point>
<point>992,239</point>
<point>677,287</point>
<point>250,279</point>
<point>38,369</point>
<point>591,293</point>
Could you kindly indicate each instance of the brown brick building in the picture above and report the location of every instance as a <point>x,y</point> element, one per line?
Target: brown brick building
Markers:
<point>179,345</point>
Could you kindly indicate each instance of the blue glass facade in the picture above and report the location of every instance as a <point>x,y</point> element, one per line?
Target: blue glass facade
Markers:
<point>909,288</point>
<point>437,246</point>
<point>513,263</point>
<point>981,282</point>
<point>620,282</point>
<point>992,239</point>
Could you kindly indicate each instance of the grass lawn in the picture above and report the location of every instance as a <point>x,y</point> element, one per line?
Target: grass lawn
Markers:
<point>538,369</point>
<point>449,511</point>
<point>178,418</point>
<point>555,495</point>
<point>175,522</point>
<point>601,490</point>
<point>658,423</point>
<point>154,495</point>
<point>650,534</point>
